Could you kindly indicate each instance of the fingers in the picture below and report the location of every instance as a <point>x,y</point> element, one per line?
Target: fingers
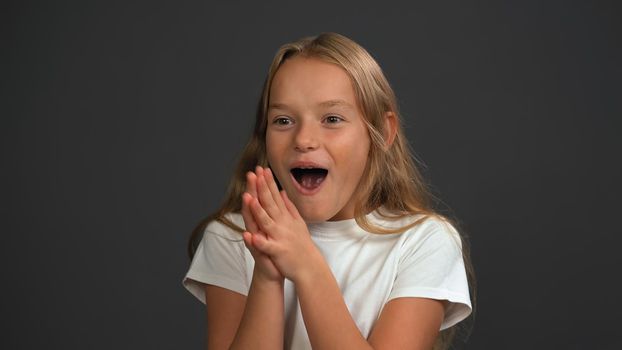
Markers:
<point>263,245</point>
<point>274,189</point>
<point>251,192</point>
<point>249,221</point>
<point>291,208</point>
<point>251,239</point>
<point>265,196</point>
<point>263,220</point>
<point>264,203</point>
<point>251,184</point>
<point>248,239</point>
<point>249,242</point>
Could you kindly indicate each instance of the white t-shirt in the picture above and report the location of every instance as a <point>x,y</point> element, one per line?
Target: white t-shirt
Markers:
<point>371,269</point>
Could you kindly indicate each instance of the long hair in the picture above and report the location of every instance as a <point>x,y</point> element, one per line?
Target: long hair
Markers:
<point>390,180</point>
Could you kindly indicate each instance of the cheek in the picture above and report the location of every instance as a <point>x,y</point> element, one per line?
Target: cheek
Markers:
<point>356,158</point>
<point>361,158</point>
<point>362,153</point>
<point>275,153</point>
<point>272,149</point>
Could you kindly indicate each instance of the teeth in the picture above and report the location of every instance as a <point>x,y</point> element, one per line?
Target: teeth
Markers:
<point>312,182</point>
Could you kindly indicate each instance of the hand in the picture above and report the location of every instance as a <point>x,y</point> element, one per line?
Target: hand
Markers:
<point>286,240</point>
<point>264,267</point>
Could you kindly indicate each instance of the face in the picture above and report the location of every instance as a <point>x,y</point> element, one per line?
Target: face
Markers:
<point>316,140</point>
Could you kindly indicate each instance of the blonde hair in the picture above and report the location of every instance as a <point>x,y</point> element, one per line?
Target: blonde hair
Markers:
<point>390,180</point>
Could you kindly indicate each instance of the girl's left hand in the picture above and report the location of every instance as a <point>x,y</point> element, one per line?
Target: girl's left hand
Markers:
<point>287,240</point>
<point>264,267</point>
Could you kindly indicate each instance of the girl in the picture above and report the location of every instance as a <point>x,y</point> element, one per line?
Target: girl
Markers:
<point>326,238</point>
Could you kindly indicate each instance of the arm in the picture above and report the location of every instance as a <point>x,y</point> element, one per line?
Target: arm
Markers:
<point>408,322</point>
<point>262,323</point>
<point>224,312</point>
<point>260,315</point>
<point>257,316</point>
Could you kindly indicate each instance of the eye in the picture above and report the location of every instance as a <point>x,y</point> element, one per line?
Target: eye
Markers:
<point>282,121</point>
<point>333,119</point>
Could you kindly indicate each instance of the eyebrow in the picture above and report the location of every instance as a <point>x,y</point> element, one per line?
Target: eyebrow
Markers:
<point>329,103</point>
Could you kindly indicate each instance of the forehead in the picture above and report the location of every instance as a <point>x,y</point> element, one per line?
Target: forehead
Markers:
<point>309,81</point>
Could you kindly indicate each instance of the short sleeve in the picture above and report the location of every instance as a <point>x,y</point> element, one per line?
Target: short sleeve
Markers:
<point>431,266</point>
<point>222,260</point>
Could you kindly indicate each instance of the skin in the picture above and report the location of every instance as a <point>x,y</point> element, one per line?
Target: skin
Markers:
<point>278,237</point>
<point>313,115</point>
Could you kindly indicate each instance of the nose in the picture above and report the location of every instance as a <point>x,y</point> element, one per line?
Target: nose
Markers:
<point>306,138</point>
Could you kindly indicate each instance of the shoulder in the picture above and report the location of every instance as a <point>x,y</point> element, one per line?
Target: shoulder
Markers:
<point>221,259</point>
<point>431,265</point>
<point>436,228</point>
<point>429,231</point>
<point>229,227</point>
<point>434,232</point>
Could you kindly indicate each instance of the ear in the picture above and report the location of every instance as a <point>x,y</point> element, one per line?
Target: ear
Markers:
<point>390,128</point>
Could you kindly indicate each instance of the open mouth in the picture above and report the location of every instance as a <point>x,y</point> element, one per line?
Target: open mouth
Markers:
<point>309,178</point>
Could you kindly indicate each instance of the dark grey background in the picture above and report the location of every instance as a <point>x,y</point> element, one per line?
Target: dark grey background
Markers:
<point>121,122</point>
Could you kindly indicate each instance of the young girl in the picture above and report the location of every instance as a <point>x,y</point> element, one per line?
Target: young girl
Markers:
<point>326,238</point>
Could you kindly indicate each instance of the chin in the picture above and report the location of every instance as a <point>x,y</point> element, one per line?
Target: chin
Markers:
<point>312,216</point>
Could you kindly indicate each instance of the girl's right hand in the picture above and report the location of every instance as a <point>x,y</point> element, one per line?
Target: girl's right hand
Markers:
<point>264,267</point>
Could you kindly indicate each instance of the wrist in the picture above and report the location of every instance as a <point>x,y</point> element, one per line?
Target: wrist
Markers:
<point>313,271</point>
<point>260,276</point>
